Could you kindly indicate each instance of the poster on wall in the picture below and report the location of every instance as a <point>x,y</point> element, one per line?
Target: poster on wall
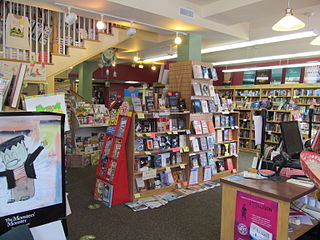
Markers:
<point>227,78</point>
<point>31,169</point>
<point>262,77</point>
<point>293,75</point>
<point>255,218</point>
<point>249,77</point>
<point>276,76</point>
<point>312,74</point>
<point>47,103</point>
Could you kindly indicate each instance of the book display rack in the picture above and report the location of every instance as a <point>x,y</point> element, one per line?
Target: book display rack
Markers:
<point>214,144</point>
<point>285,103</point>
<point>111,174</point>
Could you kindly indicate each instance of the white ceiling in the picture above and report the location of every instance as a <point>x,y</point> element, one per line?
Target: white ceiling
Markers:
<point>219,22</point>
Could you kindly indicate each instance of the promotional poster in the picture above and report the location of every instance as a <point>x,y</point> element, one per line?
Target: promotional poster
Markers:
<point>31,169</point>
<point>256,218</point>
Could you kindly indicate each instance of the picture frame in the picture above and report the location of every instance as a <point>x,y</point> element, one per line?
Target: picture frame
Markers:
<point>31,150</point>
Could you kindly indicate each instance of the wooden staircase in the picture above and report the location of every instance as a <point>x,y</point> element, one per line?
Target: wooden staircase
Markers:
<point>76,55</point>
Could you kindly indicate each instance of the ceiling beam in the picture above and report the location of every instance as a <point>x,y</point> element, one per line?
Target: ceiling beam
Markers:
<point>222,6</point>
<point>170,9</point>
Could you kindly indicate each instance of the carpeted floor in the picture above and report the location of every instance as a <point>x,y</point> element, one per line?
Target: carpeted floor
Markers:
<point>195,217</point>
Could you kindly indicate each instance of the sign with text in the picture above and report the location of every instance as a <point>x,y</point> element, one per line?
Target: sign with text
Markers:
<point>255,218</point>
<point>152,173</point>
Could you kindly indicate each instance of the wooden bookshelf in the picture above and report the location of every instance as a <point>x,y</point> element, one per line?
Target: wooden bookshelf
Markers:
<point>133,154</point>
<point>301,94</point>
<point>181,79</point>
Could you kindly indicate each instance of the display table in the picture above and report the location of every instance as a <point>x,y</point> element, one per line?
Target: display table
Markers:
<point>281,195</point>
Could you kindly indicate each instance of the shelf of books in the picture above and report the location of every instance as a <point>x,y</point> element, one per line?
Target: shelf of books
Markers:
<point>214,144</point>
<point>284,103</point>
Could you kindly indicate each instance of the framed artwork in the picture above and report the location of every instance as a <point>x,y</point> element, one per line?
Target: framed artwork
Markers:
<point>293,75</point>
<point>249,77</point>
<point>32,189</point>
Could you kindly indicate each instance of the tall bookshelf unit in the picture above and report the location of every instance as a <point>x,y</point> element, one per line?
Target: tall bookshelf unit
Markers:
<point>181,79</point>
<point>284,97</point>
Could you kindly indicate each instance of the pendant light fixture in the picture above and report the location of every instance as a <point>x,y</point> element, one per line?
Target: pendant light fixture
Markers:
<point>101,25</point>
<point>288,22</point>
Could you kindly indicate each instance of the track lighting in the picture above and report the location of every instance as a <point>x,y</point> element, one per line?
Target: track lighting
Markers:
<point>140,66</point>
<point>71,18</point>
<point>131,31</point>
<point>288,22</point>
<point>178,39</point>
<point>101,25</point>
<point>153,68</point>
<point>136,58</point>
<point>113,64</point>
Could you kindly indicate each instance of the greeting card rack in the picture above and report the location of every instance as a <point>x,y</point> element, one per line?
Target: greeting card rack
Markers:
<point>112,180</point>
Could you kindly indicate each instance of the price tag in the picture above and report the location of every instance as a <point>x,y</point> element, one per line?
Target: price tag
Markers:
<point>168,132</point>
<point>139,134</point>
<point>177,149</point>
<point>153,135</point>
<point>168,169</point>
<point>182,166</point>
<point>174,132</point>
<point>188,131</point>
<point>186,149</point>
<point>181,150</point>
<point>147,153</point>
<point>141,115</point>
<point>155,115</point>
<point>148,134</point>
<point>137,195</point>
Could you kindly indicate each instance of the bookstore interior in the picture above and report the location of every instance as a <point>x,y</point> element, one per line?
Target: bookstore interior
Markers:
<point>146,109</point>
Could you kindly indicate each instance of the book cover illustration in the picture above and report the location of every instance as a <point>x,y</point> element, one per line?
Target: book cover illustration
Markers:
<point>293,75</point>
<point>204,106</point>
<point>210,141</point>
<point>203,143</point>
<point>136,102</point>
<point>215,75</point>
<point>150,104</point>
<point>139,144</point>
<point>122,126</point>
<point>197,72</point>
<point>181,124</point>
<point>203,159</point>
<point>182,140</point>
<point>205,89</point>
<point>204,126</point>
<point>263,77</point>
<point>249,77</point>
<point>165,142</point>
<point>210,126</point>
<point>195,144</point>
<point>205,72</point>
<point>229,164</point>
<point>174,141</point>
<point>107,194</point>
<point>197,127</point>
<point>210,157</point>
<point>197,89</point>
<point>212,106</point>
<point>196,106</point>
<point>194,158</point>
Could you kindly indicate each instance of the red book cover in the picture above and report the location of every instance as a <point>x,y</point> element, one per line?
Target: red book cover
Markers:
<point>229,164</point>
<point>210,126</point>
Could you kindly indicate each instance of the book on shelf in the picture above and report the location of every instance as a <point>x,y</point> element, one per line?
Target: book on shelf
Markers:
<point>196,106</point>
<point>195,144</point>
<point>203,159</point>
<point>150,103</point>
<point>229,164</point>
<point>210,126</point>
<point>197,71</point>
<point>197,127</point>
<point>215,75</point>
<point>182,140</point>
<point>203,143</point>
<point>211,91</point>
<point>16,86</point>
<point>122,126</point>
<point>205,73</point>
<point>165,142</point>
<point>181,124</point>
<point>293,75</point>
<point>173,124</point>
<point>205,89</point>
<point>214,169</point>
<point>139,145</point>
<point>219,136</point>
<point>212,107</point>
<point>136,102</point>
<point>210,142</point>
<point>197,89</point>
<point>204,106</point>
<point>217,121</point>
<point>194,159</point>
<point>204,126</point>
<point>220,166</point>
<point>174,141</point>
<point>210,157</point>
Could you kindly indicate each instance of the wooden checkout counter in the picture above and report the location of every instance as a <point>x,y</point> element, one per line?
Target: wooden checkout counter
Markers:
<point>282,193</point>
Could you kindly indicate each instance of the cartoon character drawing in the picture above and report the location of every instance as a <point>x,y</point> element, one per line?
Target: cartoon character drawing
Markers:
<point>20,172</point>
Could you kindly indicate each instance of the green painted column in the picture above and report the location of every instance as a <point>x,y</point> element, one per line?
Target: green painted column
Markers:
<point>190,48</point>
<point>85,80</point>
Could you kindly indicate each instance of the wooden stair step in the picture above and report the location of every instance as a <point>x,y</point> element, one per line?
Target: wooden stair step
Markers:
<point>91,40</point>
<point>70,46</point>
<point>60,54</point>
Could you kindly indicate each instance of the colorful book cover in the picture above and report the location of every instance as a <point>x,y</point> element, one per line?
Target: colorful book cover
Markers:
<point>203,159</point>
<point>197,72</point>
<point>210,157</point>
<point>197,126</point>
<point>197,89</point>
<point>249,77</point>
<point>107,194</point>
<point>312,74</point>
<point>293,75</point>
<point>210,126</point>
<point>276,76</point>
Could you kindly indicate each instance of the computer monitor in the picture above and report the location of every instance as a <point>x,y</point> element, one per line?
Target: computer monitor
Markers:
<point>292,141</point>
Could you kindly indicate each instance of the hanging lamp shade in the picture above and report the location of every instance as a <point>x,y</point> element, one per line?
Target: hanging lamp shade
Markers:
<point>288,23</point>
<point>316,41</point>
